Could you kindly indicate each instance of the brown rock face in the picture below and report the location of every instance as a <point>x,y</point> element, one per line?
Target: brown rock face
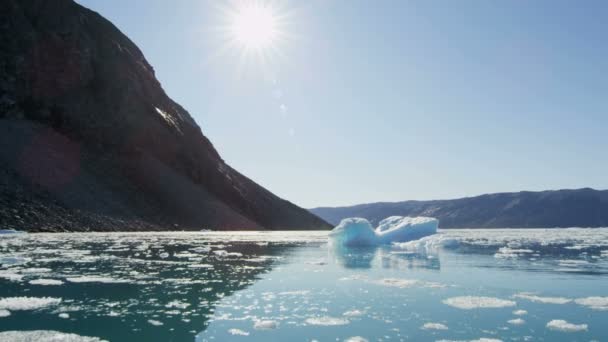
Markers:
<point>90,139</point>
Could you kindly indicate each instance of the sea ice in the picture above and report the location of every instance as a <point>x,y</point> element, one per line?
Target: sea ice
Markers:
<point>45,336</point>
<point>265,325</point>
<point>561,325</point>
<point>238,332</point>
<point>4,313</point>
<point>326,320</point>
<point>595,303</point>
<point>544,300</point>
<point>354,231</point>
<point>516,321</point>
<point>434,326</point>
<point>46,282</point>
<point>471,302</point>
<point>27,303</point>
<point>356,339</point>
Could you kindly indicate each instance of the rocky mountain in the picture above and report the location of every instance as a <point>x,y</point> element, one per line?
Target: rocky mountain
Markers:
<point>89,140</point>
<point>526,209</point>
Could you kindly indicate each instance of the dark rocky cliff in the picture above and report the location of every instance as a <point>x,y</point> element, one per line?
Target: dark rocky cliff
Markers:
<point>90,141</point>
<point>526,209</point>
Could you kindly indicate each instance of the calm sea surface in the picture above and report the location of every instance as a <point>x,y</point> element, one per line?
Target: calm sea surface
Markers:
<point>459,285</point>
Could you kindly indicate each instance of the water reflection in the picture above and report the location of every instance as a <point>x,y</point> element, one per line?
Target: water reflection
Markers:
<point>354,257</point>
<point>386,256</point>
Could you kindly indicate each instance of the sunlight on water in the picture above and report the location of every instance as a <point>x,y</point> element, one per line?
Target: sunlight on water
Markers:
<point>509,285</point>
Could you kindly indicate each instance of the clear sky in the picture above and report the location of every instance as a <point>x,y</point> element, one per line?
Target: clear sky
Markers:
<point>363,101</point>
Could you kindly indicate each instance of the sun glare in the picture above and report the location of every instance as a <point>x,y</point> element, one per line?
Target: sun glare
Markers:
<point>254,26</point>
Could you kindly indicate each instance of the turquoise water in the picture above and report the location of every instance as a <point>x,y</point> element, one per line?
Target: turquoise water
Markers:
<point>460,285</point>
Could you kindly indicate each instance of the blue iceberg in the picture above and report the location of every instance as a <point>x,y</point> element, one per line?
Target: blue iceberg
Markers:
<point>355,231</point>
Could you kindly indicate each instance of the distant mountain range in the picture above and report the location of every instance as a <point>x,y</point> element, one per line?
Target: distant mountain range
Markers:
<point>89,140</point>
<point>545,209</point>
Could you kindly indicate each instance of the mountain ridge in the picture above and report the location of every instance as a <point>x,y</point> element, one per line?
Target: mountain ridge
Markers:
<point>585,207</point>
<point>91,141</point>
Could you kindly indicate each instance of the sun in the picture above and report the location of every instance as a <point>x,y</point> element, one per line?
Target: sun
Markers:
<point>254,25</point>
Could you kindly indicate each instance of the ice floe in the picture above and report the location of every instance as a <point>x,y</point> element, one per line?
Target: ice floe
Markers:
<point>516,321</point>
<point>327,320</point>
<point>354,313</point>
<point>4,313</point>
<point>96,279</point>
<point>545,300</point>
<point>472,302</point>
<point>395,229</point>
<point>595,303</point>
<point>47,282</point>
<point>238,332</point>
<point>434,326</point>
<point>45,336</point>
<point>27,303</point>
<point>155,322</point>
<point>520,312</point>
<point>265,325</point>
<point>356,339</point>
<point>562,325</point>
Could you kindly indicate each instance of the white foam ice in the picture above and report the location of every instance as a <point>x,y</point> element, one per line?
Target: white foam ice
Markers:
<point>595,303</point>
<point>27,303</point>
<point>155,322</point>
<point>520,312</point>
<point>353,313</point>
<point>96,279</point>
<point>4,313</point>
<point>64,315</point>
<point>506,252</point>
<point>177,304</point>
<point>545,300</point>
<point>265,325</point>
<point>434,326</point>
<point>516,321</point>
<point>354,231</point>
<point>472,302</point>
<point>238,332</point>
<point>562,325</point>
<point>10,276</point>
<point>397,282</point>
<point>327,320</point>
<point>45,336</point>
<point>47,282</point>
<point>356,339</point>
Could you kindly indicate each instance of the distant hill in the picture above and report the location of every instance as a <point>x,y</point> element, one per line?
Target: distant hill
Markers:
<point>89,140</point>
<point>545,209</point>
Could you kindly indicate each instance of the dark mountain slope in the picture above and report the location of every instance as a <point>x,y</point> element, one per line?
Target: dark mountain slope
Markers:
<point>546,209</point>
<point>89,139</point>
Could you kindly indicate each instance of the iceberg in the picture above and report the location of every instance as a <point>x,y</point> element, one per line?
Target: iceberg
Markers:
<point>352,232</point>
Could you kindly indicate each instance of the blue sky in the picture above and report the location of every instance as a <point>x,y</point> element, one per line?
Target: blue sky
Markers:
<point>367,101</point>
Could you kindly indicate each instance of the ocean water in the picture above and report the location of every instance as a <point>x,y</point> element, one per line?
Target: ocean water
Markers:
<point>459,285</point>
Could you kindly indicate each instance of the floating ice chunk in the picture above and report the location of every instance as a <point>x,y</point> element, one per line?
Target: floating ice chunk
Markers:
<point>4,313</point>
<point>356,339</point>
<point>96,279</point>
<point>520,312</point>
<point>434,326</point>
<point>354,231</point>
<point>64,315</point>
<point>46,282</point>
<point>177,304</point>
<point>485,339</point>
<point>561,325</point>
<point>516,321</point>
<point>265,325</point>
<point>506,252</point>
<point>395,282</point>
<point>471,302</point>
<point>544,300</point>
<point>10,276</point>
<point>595,303</point>
<point>45,336</point>
<point>354,313</point>
<point>27,303</point>
<point>402,229</point>
<point>327,320</point>
<point>238,332</point>
<point>155,322</point>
